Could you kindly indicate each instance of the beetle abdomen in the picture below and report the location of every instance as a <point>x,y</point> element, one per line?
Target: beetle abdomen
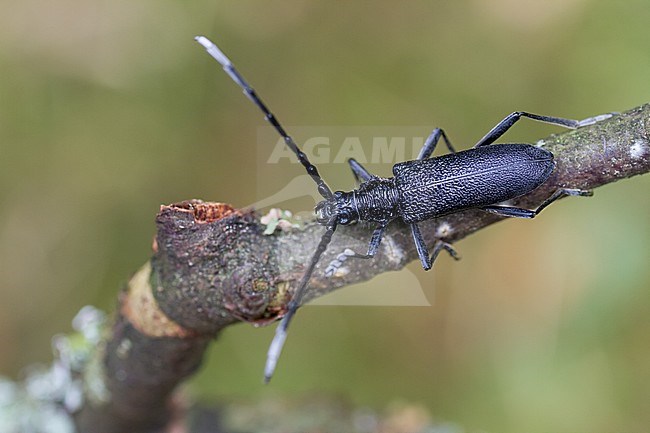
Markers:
<point>472,178</point>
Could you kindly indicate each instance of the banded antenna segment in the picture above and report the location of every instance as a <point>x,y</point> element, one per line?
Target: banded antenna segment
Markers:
<point>281,331</point>
<point>250,93</point>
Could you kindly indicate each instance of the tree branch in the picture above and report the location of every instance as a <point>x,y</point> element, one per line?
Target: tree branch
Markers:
<point>213,266</point>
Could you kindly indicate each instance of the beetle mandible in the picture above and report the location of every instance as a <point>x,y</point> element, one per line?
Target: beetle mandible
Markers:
<point>426,188</point>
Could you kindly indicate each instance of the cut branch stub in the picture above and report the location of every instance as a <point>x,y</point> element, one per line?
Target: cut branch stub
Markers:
<point>213,266</point>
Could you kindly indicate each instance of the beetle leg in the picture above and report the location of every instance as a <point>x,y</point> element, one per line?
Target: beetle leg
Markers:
<point>423,251</point>
<point>516,212</point>
<point>373,246</point>
<point>431,143</point>
<point>512,118</point>
<point>359,171</point>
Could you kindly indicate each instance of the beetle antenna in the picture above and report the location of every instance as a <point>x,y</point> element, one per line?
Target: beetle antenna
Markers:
<point>281,331</point>
<point>250,93</point>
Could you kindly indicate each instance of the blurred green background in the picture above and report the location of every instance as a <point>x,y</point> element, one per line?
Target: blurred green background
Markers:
<point>109,109</point>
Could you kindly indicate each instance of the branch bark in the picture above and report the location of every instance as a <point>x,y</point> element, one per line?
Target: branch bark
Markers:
<point>213,266</point>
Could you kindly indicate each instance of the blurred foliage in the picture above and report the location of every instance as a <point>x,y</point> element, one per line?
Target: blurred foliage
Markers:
<point>108,109</point>
<point>44,400</point>
<point>317,414</point>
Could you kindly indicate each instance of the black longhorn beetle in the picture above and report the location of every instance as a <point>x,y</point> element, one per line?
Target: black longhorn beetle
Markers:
<point>423,189</point>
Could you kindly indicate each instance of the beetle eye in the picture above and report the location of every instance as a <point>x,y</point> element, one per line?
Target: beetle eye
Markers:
<point>344,218</point>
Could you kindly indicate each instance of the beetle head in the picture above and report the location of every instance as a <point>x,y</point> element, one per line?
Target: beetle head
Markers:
<point>342,205</point>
